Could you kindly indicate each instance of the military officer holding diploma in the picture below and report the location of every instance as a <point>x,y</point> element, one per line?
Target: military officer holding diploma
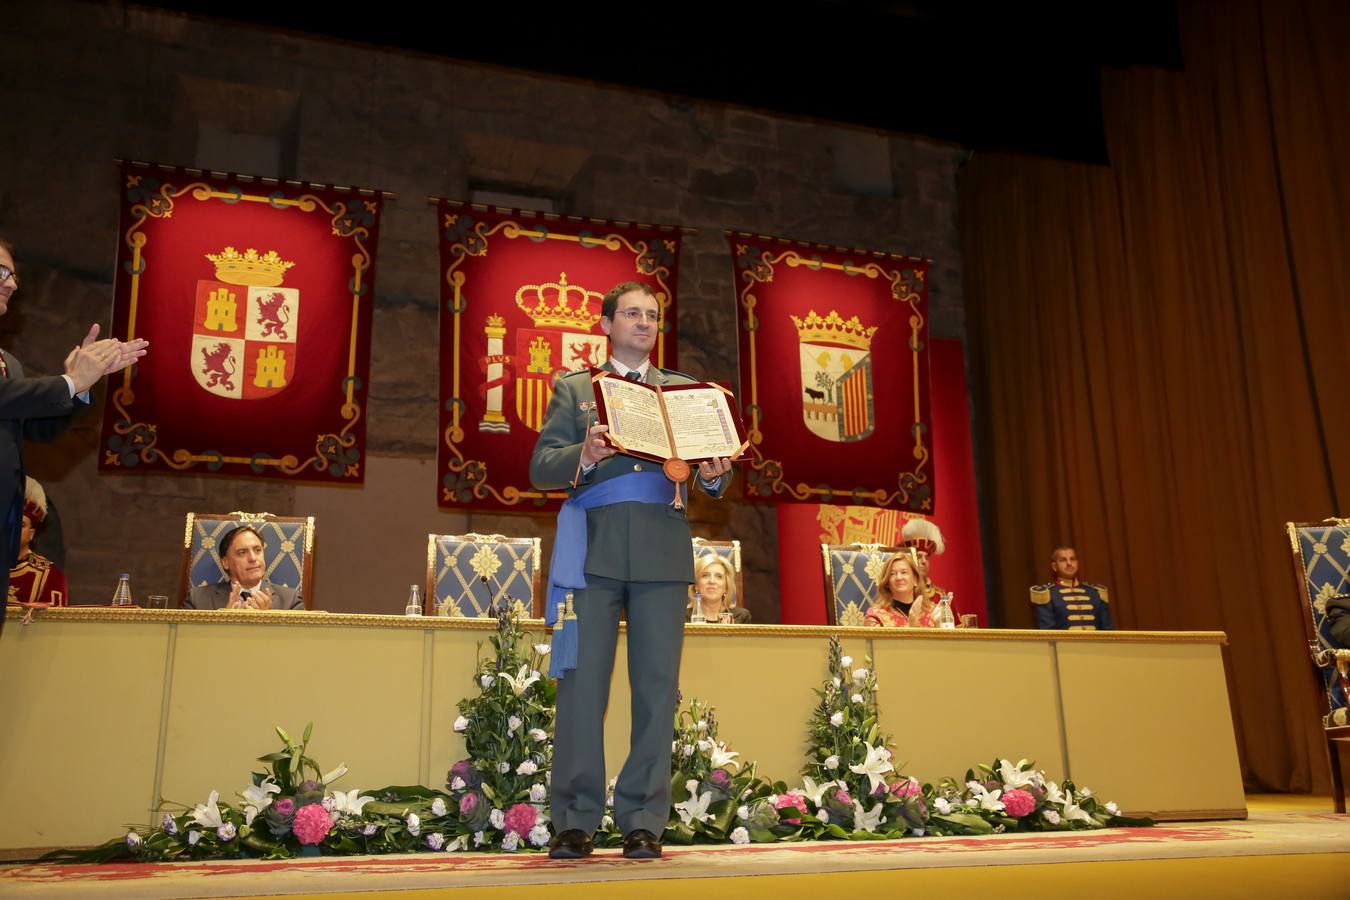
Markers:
<point>622,544</point>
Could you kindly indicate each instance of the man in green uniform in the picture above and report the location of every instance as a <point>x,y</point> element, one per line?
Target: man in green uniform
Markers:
<point>621,545</point>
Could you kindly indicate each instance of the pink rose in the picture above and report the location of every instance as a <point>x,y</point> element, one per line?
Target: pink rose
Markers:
<point>312,823</point>
<point>1017,803</point>
<point>907,788</point>
<point>792,800</point>
<point>520,819</point>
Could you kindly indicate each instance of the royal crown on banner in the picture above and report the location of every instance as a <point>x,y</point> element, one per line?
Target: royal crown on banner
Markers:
<point>836,376</point>
<point>245,326</point>
<point>563,339</point>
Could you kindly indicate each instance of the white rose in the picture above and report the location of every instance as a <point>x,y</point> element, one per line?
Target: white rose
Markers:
<point>606,821</point>
<point>479,838</point>
<point>537,734</point>
<point>438,809</point>
<point>511,841</point>
<point>457,784</point>
<point>461,724</point>
<point>917,832</point>
<point>414,824</point>
<point>436,840</point>
<point>857,698</point>
<point>773,799</point>
<point>194,837</point>
<point>742,812</point>
<point>512,724</point>
<point>687,750</point>
<point>538,793</point>
<point>941,805</point>
<point>859,675</point>
<point>1112,808</point>
<point>1051,816</point>
<point>528,767</point>
<point>740,836</point>
<point>836,681</point>
<point>497,819</point>
<point>837,719</point>
<point>539,835</point>
<point>487,681</point>
<point>831,762</point>
<point>704,745</point>
<point>503,767</point>
<point>823,816</point>
<point>133,840</point>
<point>845,661</point>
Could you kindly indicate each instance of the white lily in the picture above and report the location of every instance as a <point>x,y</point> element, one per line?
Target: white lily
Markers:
<point>720,756</point>
<point>813,791</point>
<point>986,799</point>
<point>459,843</point>
<point>350,802</point>
<point>208,814</point>
<point>542,649</point>
<point>258,797</point>
<point>874,766</point>
<point>866,821</point>
<point>1073,811</point>
<point>1053,794</point>
<point>334,775</point>
<point>695,809</point>
<point>1012,776</point>
<point>521,681</point>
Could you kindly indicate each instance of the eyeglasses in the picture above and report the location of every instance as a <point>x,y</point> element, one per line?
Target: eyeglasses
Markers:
<point>6,273</point>
<point>633,314</point>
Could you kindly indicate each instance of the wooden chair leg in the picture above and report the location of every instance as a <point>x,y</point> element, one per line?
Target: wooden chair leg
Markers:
<point>1337,782</point>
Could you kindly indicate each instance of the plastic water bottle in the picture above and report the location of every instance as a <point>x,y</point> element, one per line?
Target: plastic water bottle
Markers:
<point>414,607</point>
<point>944,615</point>
<point>122,596</point>
<point>696,617</point>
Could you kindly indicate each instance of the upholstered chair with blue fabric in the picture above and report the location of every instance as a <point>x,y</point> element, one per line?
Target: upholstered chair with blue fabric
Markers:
<point>729,551</point>
<point>851,574</point>
<point>468,573</point>
<point>289,554</point>
<point>1321,553</point>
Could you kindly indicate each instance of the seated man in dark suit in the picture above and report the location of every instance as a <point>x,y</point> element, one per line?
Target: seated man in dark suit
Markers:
<point>242,556</point>
<point>1338,619</point>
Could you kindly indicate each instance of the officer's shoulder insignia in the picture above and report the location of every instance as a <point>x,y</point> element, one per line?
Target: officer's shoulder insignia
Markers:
<point>679,373</point>
<point>1040,594</point>
<point>1101,591</point>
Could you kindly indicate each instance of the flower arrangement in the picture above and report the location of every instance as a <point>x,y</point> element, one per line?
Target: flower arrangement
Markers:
<point>708,785</point>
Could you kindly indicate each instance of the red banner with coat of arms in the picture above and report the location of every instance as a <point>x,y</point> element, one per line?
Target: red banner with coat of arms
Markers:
<point>256,298</point>
<point>520,308</point>
<point>834,374</point>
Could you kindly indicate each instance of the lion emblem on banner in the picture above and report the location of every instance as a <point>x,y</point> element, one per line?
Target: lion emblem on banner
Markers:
<point>836,376</point>
<point>246,324</point>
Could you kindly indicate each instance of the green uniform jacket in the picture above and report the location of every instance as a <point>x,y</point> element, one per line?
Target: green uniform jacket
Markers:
<point>626,541</point>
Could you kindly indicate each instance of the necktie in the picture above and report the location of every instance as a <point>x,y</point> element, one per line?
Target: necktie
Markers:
<point>634,375</point>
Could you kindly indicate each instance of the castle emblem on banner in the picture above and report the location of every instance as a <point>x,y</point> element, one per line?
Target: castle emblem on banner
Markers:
<point>245,326</point>
<point>836,376</point>
<point>561,341</point>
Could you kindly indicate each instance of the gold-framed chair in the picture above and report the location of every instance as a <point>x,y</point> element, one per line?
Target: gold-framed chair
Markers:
<point>1321,557</point>
<point>729,551</point>
<point>290,549</point>
<point>468,573</point>
<point>851,575</point>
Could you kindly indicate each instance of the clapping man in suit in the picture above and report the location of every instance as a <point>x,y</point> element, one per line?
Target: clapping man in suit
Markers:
<point>620,535</point>
<point>40,408</point>
<point>243,556</point>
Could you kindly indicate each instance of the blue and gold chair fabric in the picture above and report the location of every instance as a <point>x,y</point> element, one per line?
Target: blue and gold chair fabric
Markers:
<point>290,549</point>
<point>468,573</point>
<point>851,574</point>
<point>731,552</point>
<point>1321,553</point>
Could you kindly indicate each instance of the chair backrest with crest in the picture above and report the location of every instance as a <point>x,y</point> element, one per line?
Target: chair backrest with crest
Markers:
<point>289,554</point>
<point>468,573</point>
<point>852,572</point>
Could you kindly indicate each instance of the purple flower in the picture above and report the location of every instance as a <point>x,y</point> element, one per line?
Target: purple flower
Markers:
<point>226,832</point>
<point>285,806</point>
<point>468,805</point>
<point>169,824</point>
<point>719,779</point>
<point>466,770</point>
<point>369,829</point>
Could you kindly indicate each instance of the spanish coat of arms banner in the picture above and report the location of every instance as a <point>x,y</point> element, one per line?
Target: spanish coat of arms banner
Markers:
<point>256,297</point>
<point>834,374</point>
<point>520,308</point>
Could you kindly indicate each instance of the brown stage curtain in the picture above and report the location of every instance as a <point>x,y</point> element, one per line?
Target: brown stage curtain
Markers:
<point>1162,351</point>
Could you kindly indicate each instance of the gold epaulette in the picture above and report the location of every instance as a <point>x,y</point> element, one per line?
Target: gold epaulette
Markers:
<point>1101,589</point>
<point>1040,594</point>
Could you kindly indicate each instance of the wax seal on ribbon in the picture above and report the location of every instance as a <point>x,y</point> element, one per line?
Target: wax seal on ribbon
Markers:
<point>677,470</point>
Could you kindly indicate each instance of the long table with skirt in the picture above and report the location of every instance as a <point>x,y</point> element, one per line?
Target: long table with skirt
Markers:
<point>104,711</point>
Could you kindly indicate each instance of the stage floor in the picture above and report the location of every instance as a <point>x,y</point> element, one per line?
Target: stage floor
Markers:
<point>1293,847</point>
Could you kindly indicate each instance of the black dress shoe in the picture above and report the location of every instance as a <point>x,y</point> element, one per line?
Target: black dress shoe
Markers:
<point>571,844</point>
<point>641,844</point>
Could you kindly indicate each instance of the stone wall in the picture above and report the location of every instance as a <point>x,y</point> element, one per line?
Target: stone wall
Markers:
<point>84,84</point>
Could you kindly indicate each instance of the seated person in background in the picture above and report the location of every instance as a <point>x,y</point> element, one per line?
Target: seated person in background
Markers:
<point>244,587</point>
<point>714,591</point>
<point>34,578</point>
<point>1068,604</point>
<point>924,538</point>
<point>1338,621</point>
<point>898,603</point>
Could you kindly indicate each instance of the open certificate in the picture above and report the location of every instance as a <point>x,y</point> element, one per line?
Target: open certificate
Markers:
<point>692,422</point>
